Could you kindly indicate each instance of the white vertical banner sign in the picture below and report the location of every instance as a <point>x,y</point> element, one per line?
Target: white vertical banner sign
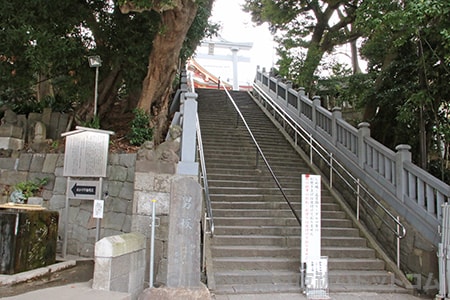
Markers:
<point>310,249</point>
<point>316,279</point>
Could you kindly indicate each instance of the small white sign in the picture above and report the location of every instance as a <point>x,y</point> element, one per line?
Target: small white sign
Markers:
<point>98,208</point>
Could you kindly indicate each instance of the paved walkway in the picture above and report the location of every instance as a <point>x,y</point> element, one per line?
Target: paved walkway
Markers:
<point>85,292</point>
<point>75,291</point>
<point>334,296</point>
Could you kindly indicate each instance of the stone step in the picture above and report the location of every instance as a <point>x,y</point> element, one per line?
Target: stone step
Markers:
<point>294,252</point>
<point>228,161</point>
<point>256,246</point>
<point>279,230</point>
<point>252,183</point>
<point>248,169</point>
<point>259,198</point>
<point>285,241</point>
<point>281,211</point>
<point>267,205</point>
<point>252,190</point>
<point>251,277</point>
<point>220,179</point>
<point>287,263</point>
<point>360,277</point>
<point>265,221</point>
<point>258,288</point>
<point>354,277</point>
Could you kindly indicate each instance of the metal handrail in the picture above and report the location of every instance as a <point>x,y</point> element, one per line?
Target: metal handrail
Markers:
<point>263,156</point>
<point>209,215</point>
<point>318,149</point>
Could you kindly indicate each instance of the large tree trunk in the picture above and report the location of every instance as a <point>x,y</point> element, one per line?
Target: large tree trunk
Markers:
<point>355,61</point>
<point>163,60</point>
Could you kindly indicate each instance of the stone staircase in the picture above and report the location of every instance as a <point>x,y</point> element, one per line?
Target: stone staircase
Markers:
<point>256,246</point>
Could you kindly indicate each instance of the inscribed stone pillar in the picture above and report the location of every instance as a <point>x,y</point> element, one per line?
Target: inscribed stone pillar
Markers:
<point>183,269</point>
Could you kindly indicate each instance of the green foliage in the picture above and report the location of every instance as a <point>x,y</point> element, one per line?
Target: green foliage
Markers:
<point>46,44</point>
<point>34,49</point>
<point>93,123</point>
<point>140,130</point>
<point>305,32</point>
<point>407,49</point>
<point>199,29</point>
<point>30,188</point>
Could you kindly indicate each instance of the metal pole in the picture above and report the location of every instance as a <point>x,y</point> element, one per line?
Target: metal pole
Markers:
<point>357,199</point>
<point>442,257</point>
<point>204,241</point>
<point>96,92</point>
<point>331,170</point>
<point>99,224</point>
<point>398,242</point>
<point>302,275</point>
<point>152,243</point>
<point>66,219</point>
<point>443,251</point>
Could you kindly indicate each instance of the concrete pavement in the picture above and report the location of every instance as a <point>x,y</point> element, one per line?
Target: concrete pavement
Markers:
<point>333,296</point>
<point>75,291</point>
<point>84,291</point>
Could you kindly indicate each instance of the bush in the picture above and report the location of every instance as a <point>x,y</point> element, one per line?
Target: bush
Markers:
<point>140,130</point>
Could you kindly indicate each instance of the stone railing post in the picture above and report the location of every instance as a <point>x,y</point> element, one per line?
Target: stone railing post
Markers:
<point>187,164</point>
<point>300,93</point>
<point>336,114</point>
<point>271,72</point>
<point>277,85</point>
<point>363,132</point>
<point>286,94</point>
<point>184,85</point>
<point>403,155</point>
<point>316,103</point>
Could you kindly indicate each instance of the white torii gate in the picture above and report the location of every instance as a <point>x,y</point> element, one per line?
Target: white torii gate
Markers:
<point>234,47</point>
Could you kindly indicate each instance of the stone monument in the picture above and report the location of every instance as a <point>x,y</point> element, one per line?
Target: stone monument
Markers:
<point>11,131</point>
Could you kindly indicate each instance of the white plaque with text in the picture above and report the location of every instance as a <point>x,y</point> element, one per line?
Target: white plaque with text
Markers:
<point>86,154</point>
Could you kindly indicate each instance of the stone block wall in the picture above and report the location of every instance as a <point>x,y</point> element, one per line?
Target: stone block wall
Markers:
<point>153,186</point>
<point>119,186</point>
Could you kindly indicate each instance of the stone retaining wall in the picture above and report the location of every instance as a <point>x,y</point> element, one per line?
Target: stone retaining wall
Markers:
<point>119,184</point>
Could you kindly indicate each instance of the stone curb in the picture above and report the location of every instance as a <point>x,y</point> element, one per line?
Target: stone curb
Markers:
<point>24,276</point>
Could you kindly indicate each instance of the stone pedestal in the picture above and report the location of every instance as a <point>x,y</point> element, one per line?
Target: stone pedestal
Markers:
<point>120,264</point>
<point>27,239</point>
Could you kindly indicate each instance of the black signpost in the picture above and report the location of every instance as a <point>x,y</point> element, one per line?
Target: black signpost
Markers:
<point>83,189</point>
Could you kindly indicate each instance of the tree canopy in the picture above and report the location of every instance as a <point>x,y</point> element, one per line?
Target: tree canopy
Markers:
<point>406,45</point>
<point>45,45</point>
<point>306,31</point>
<point>405,91</point>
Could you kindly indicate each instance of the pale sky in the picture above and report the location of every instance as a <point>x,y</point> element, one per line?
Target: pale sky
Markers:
<point>238,27</point>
